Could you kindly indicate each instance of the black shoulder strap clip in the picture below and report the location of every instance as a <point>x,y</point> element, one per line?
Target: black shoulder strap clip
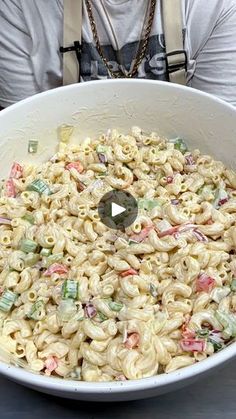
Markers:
<point>76,47</point>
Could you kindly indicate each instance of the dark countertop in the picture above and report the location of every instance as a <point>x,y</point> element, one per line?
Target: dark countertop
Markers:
<point>211,398</point>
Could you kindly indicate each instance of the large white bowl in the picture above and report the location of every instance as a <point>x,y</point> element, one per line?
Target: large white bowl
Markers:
<point>204,121</point>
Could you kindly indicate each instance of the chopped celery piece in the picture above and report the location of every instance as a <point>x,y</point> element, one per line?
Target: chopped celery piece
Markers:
<point>70,289</point>
<point>29,217</point>
<point>217,346</point>
<point>206,190</point>
<point>31,259</point>
<point>115,306</point>
<point>214,337</point>
<point>7,300</point>
<point>233,285</point>
<point>37,311</point>
<point>102,316</point>
<point>54,259</point>
<point>75,374</point>
<point>130,242</point>
<point>28,246</point>
<point>66,309</point>
<point>228,321</point>
<point>179,144</point>
<point>65,132</point>
<point>147,204</point>
<point>202,333</point>
<point>33,146</point>
<point>39,186</point>
<point>101,148</point>
<point>45,252</point>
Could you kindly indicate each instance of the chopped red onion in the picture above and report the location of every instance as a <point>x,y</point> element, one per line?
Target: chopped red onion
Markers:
<point>97,184</point>
<point>90,310</point>
<point>169,179</point>
<point>176,235</point>
<point>189,160</point>
<point>200,236</point>
<point>80,186</point>
<point>4,220</point>
<point>174,201</point>
<point>216,336</point>
<point>102,158</point>
<point>223,201</point>
<point>186,227</point>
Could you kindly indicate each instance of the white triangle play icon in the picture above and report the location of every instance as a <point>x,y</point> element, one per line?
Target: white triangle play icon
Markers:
<point>116,209</point>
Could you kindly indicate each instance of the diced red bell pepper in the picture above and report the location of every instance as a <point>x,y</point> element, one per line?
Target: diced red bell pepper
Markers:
<point>168,232</point>
<point>210,222</point>
<point>56,268</point>
<point>132,341</point>
<point>193,345</point>
<point>204,283</point>
<point>176,229</point>
<point>75,165</point>
<point>10,189</point>
<point>51,364</point>
<point>142,235</point>
<point>16,171</point>
<point>130,271</point>
<point>188,334</point>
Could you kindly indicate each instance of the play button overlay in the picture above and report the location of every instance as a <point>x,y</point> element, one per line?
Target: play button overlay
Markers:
<point>118,209</point>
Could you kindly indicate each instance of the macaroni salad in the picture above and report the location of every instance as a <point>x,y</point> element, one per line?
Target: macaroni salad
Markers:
<point>82,302</point>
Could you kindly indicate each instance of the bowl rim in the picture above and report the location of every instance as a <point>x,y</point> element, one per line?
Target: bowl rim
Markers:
<point>115,387</point>
<point>102,83</point>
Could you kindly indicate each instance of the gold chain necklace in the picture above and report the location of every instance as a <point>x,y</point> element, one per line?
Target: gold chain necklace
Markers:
<point>142,45</point>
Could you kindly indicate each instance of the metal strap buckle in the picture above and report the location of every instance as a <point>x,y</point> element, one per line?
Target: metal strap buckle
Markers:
<point>181,65</point>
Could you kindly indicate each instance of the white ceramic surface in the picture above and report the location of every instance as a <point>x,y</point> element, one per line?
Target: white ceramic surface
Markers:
<point>205,122</point>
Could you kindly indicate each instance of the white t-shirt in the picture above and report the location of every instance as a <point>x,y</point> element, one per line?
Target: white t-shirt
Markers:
<point>31,33</point>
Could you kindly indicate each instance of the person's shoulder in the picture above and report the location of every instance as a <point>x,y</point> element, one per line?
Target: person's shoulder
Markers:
<point>201,7</point>
<point>207,14</point>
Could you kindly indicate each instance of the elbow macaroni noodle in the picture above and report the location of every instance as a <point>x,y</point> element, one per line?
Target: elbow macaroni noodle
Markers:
<point>94,304</point>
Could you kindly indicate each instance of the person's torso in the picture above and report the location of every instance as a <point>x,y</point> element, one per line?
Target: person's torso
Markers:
<point>38,61</point>
<point>121,25</point>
